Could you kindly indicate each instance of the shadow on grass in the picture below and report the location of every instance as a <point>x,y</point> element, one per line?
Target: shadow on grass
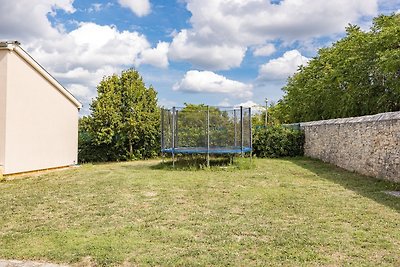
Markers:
<point>366,186</point>
<point>199,162</point>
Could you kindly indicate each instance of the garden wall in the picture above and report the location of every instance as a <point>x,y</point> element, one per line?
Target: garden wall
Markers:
<point>369,145</point>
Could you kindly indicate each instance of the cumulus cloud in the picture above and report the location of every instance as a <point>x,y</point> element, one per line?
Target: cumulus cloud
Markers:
<point>283,67</point>
<point>157,56</point>
<point>26,20</point>
<point>265,50</point>
<point>255,107</point>
<point>210,56</point>
<point>224,103</point>
<point>139,7</point>
<point>89,46</point>
<point>80,58</point>
<point>209,82</point>
<point>247,104</point>
<point>81,91</point>
<point>97,7</point>
<point>222,30</point>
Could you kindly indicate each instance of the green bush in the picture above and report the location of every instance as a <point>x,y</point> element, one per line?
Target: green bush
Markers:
<point>278,141</point>
<point>89,151</point>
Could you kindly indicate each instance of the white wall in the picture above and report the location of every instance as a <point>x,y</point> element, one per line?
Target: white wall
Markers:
<point>41,125</point>
<point>3,84</point>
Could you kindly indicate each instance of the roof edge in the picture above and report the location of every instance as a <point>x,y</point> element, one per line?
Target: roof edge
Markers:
<point>24,55</point>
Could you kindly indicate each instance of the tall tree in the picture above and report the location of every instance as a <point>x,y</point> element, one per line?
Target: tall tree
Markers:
<point>358,75</point>
<point>124,118</point>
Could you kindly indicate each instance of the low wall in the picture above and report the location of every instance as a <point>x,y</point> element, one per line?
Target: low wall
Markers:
<point>369,145</point>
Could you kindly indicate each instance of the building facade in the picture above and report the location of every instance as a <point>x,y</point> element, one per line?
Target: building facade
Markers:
<point>38,116</point>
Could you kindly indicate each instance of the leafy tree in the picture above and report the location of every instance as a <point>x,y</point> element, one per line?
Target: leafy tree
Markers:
<point>124,120</point>
<point>358,75</point>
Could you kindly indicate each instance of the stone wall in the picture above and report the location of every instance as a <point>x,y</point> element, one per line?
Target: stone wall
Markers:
<point>369,145</point>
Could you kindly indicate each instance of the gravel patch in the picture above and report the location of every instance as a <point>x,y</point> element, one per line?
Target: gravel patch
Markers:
<point>16,263</point>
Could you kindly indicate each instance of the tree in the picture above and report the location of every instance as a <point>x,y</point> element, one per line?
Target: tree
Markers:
<point>124,120</point>
<point>357,75</point>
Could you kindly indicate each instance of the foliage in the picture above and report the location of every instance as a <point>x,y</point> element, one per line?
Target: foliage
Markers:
<point>278,141</point>
<point>124,121</point>
<point>358,75</point>
<point>275,116</point>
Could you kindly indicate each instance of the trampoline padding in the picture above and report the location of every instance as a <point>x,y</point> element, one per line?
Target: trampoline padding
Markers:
<point>203,150</point>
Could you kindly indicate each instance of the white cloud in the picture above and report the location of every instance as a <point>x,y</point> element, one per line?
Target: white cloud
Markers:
<point>209,82</point>
<point>254,21</point>
<point>222,30</point>
<point>139,7</point>
<point>79,59</point>
<point>265,50</point>
<point>247,104</point>
<point>157,56</point>
<point>90,47</point>
<point>283,67</point>
<point>26,20</point>
<point>255,108</point>
<point>95,7</point>
<point>224,103</point>
<point>81,91</point>
<point>208,55</point>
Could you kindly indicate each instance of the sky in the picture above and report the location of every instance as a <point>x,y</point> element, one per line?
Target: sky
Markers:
<point>214,52</point>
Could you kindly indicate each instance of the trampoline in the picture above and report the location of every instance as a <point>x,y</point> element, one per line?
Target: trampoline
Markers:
<point>200,129</point>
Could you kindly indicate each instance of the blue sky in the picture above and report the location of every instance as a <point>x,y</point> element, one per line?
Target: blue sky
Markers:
<point>217,52</point>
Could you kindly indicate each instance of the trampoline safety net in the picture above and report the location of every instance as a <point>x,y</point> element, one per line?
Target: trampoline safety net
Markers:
<point>206,129</point>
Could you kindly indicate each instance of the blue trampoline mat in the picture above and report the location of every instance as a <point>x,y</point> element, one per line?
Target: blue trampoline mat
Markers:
<point>203,150</point>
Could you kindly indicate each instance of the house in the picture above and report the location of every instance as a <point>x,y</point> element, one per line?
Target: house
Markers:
<point>38,116</point>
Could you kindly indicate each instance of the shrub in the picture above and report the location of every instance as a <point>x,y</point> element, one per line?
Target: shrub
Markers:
<point>89,151</point>
<point>278,141</point>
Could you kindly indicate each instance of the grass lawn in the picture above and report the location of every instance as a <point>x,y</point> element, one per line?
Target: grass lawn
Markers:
<point>290,212</point>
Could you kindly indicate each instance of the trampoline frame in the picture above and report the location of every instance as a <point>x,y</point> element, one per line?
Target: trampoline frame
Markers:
<point>232,150</point>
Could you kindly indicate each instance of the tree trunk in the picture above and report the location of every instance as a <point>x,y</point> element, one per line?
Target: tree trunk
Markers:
<point>130,148</point>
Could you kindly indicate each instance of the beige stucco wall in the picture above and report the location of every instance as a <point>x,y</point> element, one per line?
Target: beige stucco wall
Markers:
<point>41,125</point>
<point>3,84</point>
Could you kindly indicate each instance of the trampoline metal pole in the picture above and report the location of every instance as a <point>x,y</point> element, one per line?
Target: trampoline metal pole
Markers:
<point>234,127</point>
<point>176,128</point>
<point>162,134</point>
<point>251,136</point>
<point>173,137</point>
<point>208,136</point>
<point>241,130</point>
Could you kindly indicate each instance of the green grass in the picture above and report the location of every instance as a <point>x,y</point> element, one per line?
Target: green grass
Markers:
<point>292,212</point>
